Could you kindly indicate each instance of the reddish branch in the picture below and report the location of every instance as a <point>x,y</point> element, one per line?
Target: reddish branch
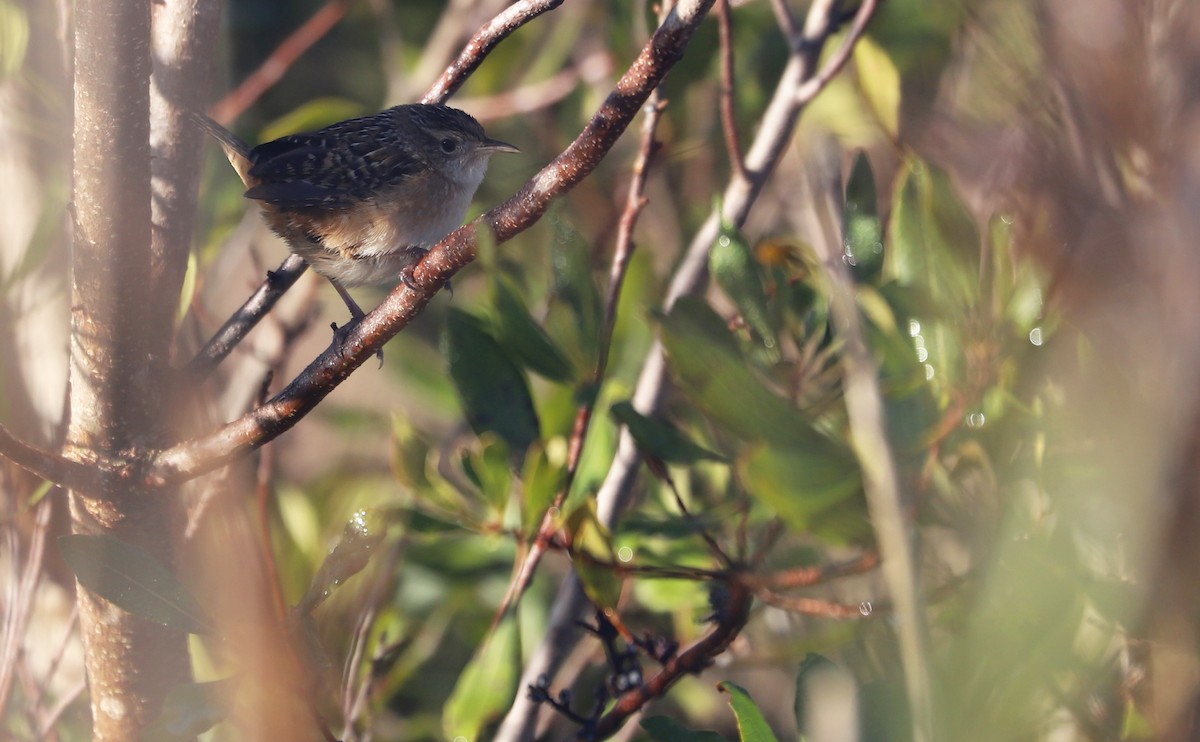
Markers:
<point>730,618</point>
<point>275,66</point>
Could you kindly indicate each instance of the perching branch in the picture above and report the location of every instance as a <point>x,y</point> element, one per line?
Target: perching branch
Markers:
<point>193,458</point>
<point>281,279</point>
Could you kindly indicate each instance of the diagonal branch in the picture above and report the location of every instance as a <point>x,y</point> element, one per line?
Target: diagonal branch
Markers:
<point>281,279</point>
<point>236,439</point>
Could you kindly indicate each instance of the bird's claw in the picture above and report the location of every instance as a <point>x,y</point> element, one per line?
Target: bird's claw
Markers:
<point>342,334</point>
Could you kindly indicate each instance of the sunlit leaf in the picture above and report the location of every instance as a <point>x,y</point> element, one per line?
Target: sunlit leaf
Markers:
<point>524,338</point>
<point>592,542</point>
<point>880,84</point>
<point>129,577</point>
<point>191,709</point>
<point>660,439</point>
<point>735,269</point>
<point>488,466</point>
<point>541,480</point>
<point>752,726</point>
<point>799,484</point>
<point>666,729</point>
<point>487,686</point>
<point>494,393</point>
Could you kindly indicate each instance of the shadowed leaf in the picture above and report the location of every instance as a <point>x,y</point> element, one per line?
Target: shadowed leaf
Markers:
<point>660,439</point>
<point>129,577</point>
<point>494,393</point>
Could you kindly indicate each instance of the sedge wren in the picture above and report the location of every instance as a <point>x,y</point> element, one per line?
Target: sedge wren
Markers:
<point>362,200</point>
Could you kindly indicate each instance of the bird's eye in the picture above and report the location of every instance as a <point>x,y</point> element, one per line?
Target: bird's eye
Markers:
<point>448,146</point>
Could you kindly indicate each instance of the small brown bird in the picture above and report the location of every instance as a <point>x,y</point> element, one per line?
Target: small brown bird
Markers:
<point>362,200</point>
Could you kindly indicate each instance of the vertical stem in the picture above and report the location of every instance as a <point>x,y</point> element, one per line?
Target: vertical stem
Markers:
<point>118,370</point>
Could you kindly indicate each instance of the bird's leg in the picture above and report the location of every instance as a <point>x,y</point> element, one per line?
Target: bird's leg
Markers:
<point>356,315</point>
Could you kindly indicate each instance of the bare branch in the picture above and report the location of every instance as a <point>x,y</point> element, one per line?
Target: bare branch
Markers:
<point>733,141</point>
<point>75,475</point>
<point>280,61</point>
<point>482,43</point>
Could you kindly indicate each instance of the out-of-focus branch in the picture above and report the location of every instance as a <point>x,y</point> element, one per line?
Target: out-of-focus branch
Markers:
<point>241,322</point>
<point>774,134</point>
<point>195,457</point>
<point>733,142</point>
<point>276,65</point>
<point>868,434</point>
<point>69,473</point>
<point>729,617</point>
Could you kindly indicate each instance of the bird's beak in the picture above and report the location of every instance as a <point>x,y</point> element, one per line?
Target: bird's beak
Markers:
<point>497,146</point>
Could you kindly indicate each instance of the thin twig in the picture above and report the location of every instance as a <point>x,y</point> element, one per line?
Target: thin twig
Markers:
<point>482,43</point>
<point>733,141</point>
<point>246,317</point>
<point>279,62</point>
<point>622,254</point>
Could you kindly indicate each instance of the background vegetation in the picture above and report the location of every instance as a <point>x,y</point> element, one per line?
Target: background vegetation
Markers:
<point>888,434</point>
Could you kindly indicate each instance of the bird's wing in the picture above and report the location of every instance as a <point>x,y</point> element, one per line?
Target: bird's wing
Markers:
<point>333,168</point>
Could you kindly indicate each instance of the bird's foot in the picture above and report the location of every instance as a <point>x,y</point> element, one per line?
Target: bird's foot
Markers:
<point>342,334</point>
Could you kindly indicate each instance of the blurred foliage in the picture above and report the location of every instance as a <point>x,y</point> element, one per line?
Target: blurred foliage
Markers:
<point>1029,618</point>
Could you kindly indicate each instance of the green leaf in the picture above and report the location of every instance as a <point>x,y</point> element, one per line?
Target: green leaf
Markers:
<point>129,577</point>
<point>488,467</point>
<point>14,37</point>
<point>542,480</point>
<point>660,439</point>
<point>799,484</point>
<point>737,272</point>
<point>666,729</point>
<point>880,84</point>
<point>525,339</point>
<point>191,709</point>
<point>862,228</point>
<point>752,727</point>
<point>487,686</point>
<point>934,241</point>
<point>494,393</point>
<point>361,535</point>
<point>574,285</point>
<point>589,538</point>
<point>710,371</point>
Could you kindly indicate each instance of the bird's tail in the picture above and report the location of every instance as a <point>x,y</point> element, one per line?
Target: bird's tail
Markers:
<point>236,150</point>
